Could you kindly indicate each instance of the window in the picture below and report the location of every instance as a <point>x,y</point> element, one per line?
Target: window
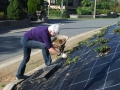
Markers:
<point>52,2</point>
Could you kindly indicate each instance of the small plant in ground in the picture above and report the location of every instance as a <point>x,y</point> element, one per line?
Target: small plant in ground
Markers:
<point>118,23</point>
<point>82,43</point>
<point>73,49</point>
<point>102,33</point>
<point>117,30</point>
<point>118,58</point>
<point>91,43</point>
<point>3,85</point>
<point>103,49</point>
<point>102,40</point>
<point>70,61</point>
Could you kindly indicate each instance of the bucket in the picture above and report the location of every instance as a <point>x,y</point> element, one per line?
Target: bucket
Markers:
<point>59,42</point>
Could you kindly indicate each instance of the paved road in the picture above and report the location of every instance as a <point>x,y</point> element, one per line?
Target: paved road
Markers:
<point>10,41</point>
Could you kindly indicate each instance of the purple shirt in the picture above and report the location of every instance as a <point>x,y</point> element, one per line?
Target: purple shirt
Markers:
<point>40,34</point>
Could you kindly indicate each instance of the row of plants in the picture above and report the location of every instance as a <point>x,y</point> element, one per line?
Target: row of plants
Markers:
<point>70,61</point>
<point>102,48</point>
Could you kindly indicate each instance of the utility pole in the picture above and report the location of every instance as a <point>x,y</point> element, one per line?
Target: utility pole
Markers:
<point>61,7</point>
<point>94,9</point>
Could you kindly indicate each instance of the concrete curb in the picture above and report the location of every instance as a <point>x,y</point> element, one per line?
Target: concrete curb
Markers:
<point>40,76</point>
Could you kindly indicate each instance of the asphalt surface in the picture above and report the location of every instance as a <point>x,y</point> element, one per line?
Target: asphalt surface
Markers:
<point>10,46</point>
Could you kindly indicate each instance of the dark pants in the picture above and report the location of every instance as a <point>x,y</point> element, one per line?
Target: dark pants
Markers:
<point>27,45</point>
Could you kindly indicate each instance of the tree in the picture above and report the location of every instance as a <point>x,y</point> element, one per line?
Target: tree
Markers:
<point>35,5</point>
<point>86,3</point>
<point>14,10</point>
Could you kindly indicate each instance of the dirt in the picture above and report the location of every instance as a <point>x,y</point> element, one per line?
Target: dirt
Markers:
<point>8,73</point>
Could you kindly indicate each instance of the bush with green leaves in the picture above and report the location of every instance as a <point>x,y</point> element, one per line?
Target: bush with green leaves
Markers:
<point>31,6</point>
<point>54,12</point>
<point>103,11</point>
<point>84,10</point>
<point>107,6</point>
<point>115,6</point>
<point>15,11</point>
<point>35,5</point>
<point>3,16</point>
<point>86,3</point>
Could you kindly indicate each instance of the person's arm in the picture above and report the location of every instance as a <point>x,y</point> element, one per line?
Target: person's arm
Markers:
<point>53,50</point>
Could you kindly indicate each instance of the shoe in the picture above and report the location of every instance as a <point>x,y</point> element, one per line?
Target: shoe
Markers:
<point>50,65</point>
<point>22,77</point>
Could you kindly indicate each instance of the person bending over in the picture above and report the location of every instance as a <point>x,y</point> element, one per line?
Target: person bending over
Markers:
<point>38,37</point>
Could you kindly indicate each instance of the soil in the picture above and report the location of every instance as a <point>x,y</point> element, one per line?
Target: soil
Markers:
<point>8,73</point>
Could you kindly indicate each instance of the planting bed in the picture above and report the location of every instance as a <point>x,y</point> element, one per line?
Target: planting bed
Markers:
<point>90,70</point>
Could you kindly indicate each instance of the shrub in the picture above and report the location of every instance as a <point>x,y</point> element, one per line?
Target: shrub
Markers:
<point>31,7</point>
<point>117,9</point>
<point>105,5</point>
<point>35,5</point>
<point>84,10</point>
<point>86,3</point>
<point>3,16</point>
<point>55,12</point>
<point>103,11</point>
<point>15,11</point>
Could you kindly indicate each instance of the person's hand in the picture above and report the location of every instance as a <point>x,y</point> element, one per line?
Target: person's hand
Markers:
<point>63,55</point>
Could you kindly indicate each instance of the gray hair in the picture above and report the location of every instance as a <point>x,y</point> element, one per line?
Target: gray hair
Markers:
<point>54,28</point>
